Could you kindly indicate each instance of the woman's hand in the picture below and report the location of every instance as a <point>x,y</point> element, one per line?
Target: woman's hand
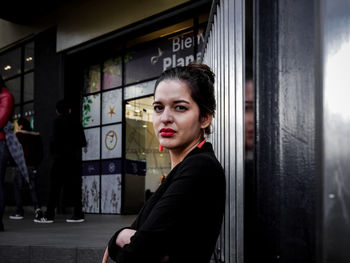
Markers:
<point>122,240</point>
<point>124,237</point>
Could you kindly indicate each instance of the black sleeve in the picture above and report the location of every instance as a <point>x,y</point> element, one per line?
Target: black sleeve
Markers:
<point>167,218</point>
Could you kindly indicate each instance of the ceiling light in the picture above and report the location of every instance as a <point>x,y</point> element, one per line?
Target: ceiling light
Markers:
<point>144,126</point>
<point>8,67</point>
<point>29,59</point>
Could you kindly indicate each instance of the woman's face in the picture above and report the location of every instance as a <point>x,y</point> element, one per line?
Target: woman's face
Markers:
<point>176,119</point>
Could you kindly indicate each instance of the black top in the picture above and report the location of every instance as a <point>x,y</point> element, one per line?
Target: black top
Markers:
<point>67,138</point>
<point>182,219</point>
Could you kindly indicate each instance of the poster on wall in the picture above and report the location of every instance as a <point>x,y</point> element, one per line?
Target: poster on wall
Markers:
<point>111,141</point>
<point>112,106</point>
<point>152,58</point>
<point>111,186</point>
<point>92,149</point>
<point>91,110</point>
<point>91,187</point>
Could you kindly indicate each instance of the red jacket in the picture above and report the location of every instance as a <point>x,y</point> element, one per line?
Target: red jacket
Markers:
<point>6,106</point>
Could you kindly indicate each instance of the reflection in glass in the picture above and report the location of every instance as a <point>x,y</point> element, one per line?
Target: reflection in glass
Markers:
<point>92,149</point>
<point>10,63</point>
<point>28,56</point>
<point>112,73</point>
<point>92,82</point>
<point>14,86</point>
<point>91,110</point>
<point>112,106</point>
<point>112,141</point>
<point>28,87</point>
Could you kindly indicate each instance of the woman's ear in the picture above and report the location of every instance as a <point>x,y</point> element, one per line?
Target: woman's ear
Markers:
<point>206,120</point>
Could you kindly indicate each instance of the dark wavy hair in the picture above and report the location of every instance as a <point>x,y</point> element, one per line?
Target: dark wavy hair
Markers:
<point>200,81</point>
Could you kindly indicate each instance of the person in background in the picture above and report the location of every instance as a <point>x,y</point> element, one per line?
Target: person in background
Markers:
<point>66,143</point>
<point>6,107</point>
<point>33,153</point>
<point>181,221</point>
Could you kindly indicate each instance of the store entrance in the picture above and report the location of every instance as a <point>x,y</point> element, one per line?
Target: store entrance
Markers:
<point>145,165</point>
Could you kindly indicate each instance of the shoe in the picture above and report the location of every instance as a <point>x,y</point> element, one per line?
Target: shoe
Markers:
<point>75,219</point>
<point>16,217</point>
<point>38,214</point>
<point>44,220</point>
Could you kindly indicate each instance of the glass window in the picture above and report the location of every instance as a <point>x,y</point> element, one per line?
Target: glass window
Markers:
<point>28,91</point>
<point>10,63</point>
<point>139,90</point>
<point>91,110</point>
<point>28,109</point>
<point>91,187</point>
<point>92,149</point>
<point>16,113</point>
<point>29,56</point>
<point>111,141</point>
<point>112,73</point>
<point>14,86</point>
<point>111,193</point>
<point>112,106</point>
<point>92,81</point>
<point>150,59</point>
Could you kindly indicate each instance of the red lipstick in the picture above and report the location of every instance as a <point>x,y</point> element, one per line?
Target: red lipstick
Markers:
<point>166,132</point>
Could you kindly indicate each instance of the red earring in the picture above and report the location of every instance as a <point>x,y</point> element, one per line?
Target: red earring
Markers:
<point>201,144</point>
<point>160,148</point>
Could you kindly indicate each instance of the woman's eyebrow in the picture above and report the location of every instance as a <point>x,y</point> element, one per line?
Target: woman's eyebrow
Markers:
<point>181,101</point>
<point>156,102</point>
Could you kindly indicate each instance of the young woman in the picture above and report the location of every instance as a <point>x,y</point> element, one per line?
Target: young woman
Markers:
<point>182,219</point>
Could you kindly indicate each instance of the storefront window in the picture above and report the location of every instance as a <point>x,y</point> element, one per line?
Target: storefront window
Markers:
<point>117,116</point>
<point>10,63</point>
<point>17,69</point>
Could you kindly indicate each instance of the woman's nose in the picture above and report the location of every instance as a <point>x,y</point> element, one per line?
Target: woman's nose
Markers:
<point>166,116</point>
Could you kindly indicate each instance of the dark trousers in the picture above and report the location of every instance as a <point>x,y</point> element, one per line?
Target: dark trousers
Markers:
<point>4,157</point>
<point>18,184</point>
<point>65,172</point>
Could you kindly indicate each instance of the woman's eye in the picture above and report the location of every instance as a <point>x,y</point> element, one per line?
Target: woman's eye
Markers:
<point>181,108</point>
<point>157,108</point>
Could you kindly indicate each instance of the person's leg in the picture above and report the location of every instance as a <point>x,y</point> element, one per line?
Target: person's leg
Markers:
<point>75,182</point>
<point>17,187</point>
<point>33,190</point>
<point>56,182</point>
<point>4,155</point>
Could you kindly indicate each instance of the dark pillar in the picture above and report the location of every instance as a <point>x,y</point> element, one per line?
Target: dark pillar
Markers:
<point>286,51</point>
<point>46,93</point>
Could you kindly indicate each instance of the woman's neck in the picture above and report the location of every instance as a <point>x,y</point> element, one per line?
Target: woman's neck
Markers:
<point>177,155</point>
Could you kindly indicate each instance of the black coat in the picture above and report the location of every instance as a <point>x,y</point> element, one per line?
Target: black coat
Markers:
<point>182,219</point>
<point>67,138</point>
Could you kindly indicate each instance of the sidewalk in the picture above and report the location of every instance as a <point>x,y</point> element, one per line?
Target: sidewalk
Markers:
<point>29,242</point>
